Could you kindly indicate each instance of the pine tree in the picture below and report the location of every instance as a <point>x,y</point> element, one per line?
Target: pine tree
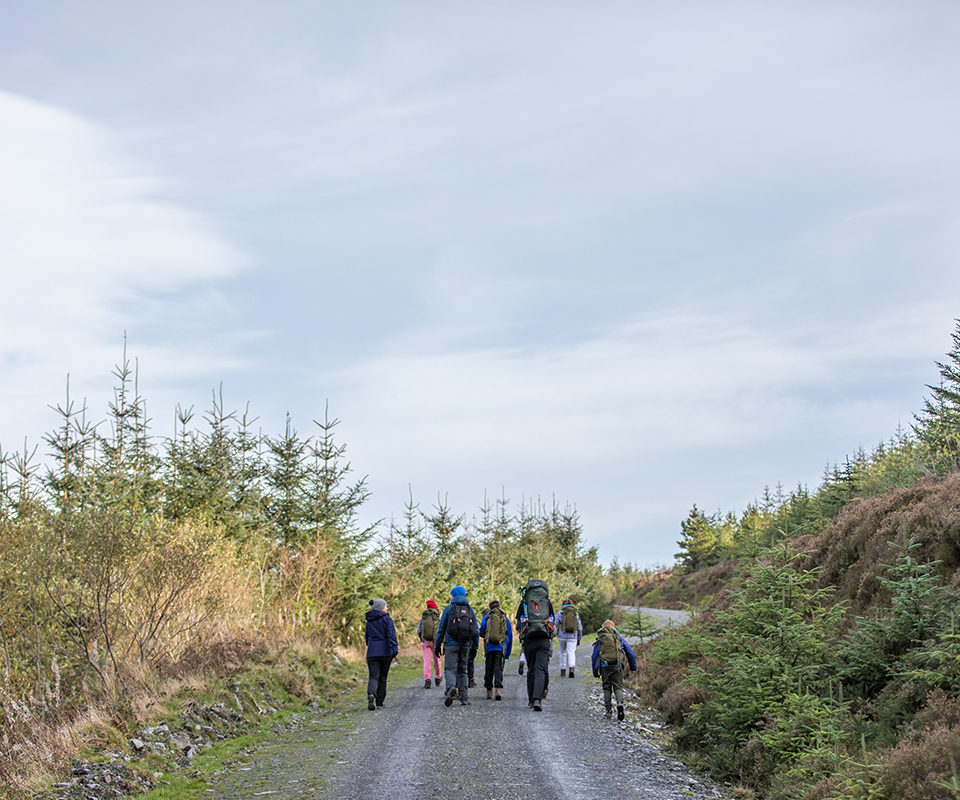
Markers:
<point>938,424</point>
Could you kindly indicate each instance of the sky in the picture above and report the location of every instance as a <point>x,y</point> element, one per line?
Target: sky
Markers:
<point>629,255</point>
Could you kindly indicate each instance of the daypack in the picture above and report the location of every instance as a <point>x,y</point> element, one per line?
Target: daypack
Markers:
<point>461,623</point>
<point>610,648</point>
<point>496,629</point>
<point>569,614</point>
<point>536,609</point>
<point>428,624</point>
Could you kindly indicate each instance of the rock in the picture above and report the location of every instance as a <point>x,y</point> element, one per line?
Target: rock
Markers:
<point>137,744</point>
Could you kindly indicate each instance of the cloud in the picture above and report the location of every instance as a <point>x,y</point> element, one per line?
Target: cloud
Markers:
<point>92,245</point>
<point>638,421</point>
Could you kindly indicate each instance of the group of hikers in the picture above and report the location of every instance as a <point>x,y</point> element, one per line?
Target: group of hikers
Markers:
<point>455,635</point>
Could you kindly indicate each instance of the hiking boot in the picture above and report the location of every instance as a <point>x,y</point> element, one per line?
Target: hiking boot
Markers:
<point>544,692</point>
<point>465,703</point>
<point>620,714</point>
<point>498,696</point>
<point>570,674</point>
<point>521,668</point>
<point>489,694</point>
<point>472,684</point>
<point>448,698</point>
<point>379,706</point>
<point>436,681</point>
<point>426,684</point>
<point>608,714</point>
<point>371,702</point>
<point>537,706</point>
<point>563,673</point>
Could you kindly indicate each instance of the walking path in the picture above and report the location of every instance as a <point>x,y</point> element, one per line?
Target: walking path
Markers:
<point>417,748</point>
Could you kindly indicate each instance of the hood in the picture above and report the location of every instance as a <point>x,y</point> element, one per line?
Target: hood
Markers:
<point>459,600</point>
<point>371,615</point>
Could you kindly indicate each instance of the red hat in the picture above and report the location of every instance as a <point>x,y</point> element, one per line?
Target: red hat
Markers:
<point>431,604</point>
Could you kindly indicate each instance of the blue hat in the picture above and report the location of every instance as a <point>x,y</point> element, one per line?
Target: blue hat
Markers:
<point>458,590</point>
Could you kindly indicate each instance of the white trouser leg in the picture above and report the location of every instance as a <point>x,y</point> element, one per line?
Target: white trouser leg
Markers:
<point>568,653</point>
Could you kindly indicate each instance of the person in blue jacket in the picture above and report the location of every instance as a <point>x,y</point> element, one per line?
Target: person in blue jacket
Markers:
<point>456,634</point>
<point>497,651</point>
<point>381,638</point>
<point>607,662</point>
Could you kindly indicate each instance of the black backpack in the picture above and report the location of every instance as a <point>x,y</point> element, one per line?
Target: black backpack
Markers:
<point>461,623</point>
<point>538,624</point>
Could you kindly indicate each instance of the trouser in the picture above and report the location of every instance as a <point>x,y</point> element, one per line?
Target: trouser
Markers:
<point>377,669</point>
<point>493,671</point>
<point>455,658</point>
<point>612,683</point>
<point>537,652</point>
<point>523,656</point>
<point>470,661</point>
<point>568,653</point>
<point>431,661</point>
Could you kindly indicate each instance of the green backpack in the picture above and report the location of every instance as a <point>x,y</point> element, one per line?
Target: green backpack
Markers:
<point>428,624</point>
<point>496,630</point>
<point>569,614</point>
<point>610,648</point>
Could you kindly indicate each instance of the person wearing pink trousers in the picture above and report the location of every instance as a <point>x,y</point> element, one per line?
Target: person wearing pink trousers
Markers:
<point>426,631</point>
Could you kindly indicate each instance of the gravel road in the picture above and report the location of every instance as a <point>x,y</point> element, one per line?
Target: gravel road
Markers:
<point>417,748</point>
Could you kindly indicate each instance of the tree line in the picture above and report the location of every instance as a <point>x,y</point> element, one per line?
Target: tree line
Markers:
<point>127,554</point>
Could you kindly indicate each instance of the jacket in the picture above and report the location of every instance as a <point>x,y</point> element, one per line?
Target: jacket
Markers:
<point>560,632</point>
<point>442,636</point>
<point>380,635</point>
<point>627,651</point>
<point>505,646</point>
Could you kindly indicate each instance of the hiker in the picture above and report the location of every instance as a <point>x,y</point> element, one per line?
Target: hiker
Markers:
<point>536,628</point>
<point>381,638</point>
<point>497,635</point>
<point>456,633</point>
<point>569,634</point>
<point>426,631</point>
<point>607,661</point>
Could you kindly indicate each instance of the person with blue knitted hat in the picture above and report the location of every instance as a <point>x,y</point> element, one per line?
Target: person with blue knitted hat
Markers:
<point>456,634</point>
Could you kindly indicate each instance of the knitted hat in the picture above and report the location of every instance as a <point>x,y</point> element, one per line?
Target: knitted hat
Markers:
<point>608,623</point>
<point>458,591</point>
<point>494,604</point>
<point>378,604</point>
<point>432,604</point>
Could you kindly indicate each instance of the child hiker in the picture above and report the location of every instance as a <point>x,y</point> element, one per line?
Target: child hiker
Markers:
<point>607,661</point>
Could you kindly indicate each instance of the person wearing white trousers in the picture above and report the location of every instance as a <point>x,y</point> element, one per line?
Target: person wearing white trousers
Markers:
<point>568,641</point>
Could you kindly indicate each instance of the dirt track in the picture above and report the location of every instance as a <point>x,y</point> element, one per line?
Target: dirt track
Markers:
<point>417,748</point>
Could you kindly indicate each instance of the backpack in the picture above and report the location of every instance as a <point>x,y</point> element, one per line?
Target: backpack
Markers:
<point>496,626</point>
<point>461,623</point>
<point>569,615</point>
<point>609,647</point>
<point>428,624</point>
<point>536,609</point>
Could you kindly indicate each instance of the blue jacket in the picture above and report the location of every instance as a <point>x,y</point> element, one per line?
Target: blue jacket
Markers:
<point>442,636</point>
<point>504,647</point>
<point>560,632</point>
<point>380,635</point>
<point>627,650</point>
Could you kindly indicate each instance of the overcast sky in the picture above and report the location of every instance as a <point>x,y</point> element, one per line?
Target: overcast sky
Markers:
<point>635,255</point>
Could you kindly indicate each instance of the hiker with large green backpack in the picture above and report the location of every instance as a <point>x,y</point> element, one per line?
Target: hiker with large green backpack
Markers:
<point>535,625</point>
<point>497,635</point>
<point>611,654</point>
<point>426,631</point>
<point>456,633</point>
<point>569,633</point>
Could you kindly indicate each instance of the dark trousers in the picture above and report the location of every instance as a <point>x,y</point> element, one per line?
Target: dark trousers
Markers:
<point>455,658</point>
<point>612,685</point>
<point>377,669</point>
<point>493,671</point>
<point>470,660</point>
<point>537,652</point>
